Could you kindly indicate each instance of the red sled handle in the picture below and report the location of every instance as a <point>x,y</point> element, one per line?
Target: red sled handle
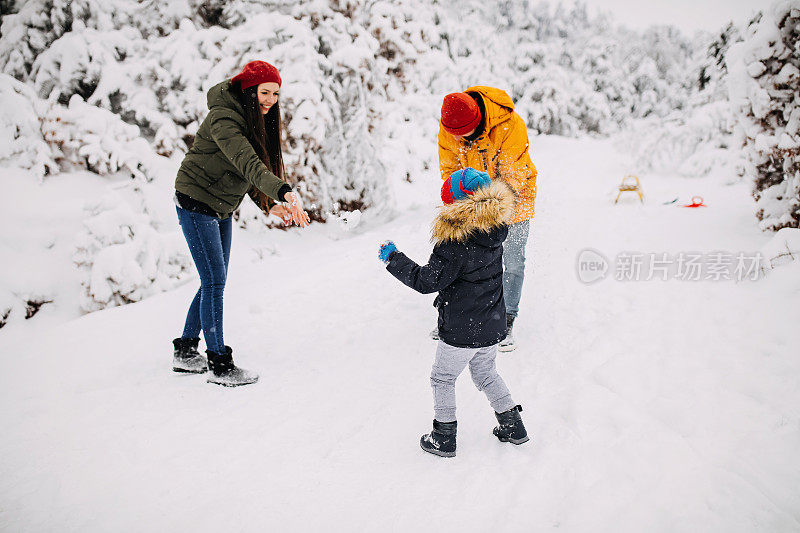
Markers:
<point>697,201</point>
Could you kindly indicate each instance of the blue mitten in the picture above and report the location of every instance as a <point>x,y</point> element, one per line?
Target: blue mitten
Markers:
<point>387,247</point>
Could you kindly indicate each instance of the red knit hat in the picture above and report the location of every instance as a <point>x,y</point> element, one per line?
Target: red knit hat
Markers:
<point>460,113</point>
<point>256,73</point>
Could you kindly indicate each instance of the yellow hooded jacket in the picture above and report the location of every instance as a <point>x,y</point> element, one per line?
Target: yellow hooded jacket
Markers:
<point>501,150</point>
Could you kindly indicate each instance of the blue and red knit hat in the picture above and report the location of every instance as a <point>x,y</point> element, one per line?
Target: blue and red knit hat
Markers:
<point>462,183</point>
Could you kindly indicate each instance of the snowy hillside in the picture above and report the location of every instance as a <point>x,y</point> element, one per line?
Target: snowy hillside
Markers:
<point>653,405</point>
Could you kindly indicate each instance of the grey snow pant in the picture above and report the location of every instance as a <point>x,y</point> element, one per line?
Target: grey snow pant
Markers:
<point>450,362</point>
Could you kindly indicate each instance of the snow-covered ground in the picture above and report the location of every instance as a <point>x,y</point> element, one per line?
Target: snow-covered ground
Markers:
<point>653,405</point>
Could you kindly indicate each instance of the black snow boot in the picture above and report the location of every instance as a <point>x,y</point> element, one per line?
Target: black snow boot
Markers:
<point>511,428</point>
<point>442,440</point>
<point>225,373</point>
<point>186,358</point>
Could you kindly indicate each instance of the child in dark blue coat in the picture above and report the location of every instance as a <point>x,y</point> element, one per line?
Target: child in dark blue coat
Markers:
<point>466,268</point>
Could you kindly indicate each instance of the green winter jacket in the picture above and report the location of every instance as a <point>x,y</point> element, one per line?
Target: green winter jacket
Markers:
<point>221,166</point>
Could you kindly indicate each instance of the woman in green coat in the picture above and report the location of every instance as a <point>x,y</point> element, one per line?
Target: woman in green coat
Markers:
<point>236,150</point>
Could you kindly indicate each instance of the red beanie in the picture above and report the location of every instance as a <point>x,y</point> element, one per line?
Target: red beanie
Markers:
<point>460,113</point>
<point>256,73</point>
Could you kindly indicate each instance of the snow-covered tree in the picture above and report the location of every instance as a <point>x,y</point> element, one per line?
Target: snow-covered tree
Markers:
<point>123,256</point>
<point>713,68</point>
<point>21,140</point>
<point>33,28</point>
<point>764,86</point>
<point>111,86</point>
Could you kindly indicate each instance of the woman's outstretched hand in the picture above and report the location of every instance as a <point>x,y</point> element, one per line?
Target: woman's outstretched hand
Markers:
<point>295,208</point>
<point>283,213</point>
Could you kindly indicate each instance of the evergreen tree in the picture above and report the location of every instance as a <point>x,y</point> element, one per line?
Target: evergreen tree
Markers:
<point>765,96</point>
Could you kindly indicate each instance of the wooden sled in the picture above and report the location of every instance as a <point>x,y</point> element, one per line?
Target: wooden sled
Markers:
<point>630,183</point>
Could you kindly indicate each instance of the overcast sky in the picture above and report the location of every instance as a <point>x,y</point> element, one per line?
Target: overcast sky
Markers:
<point>689,15</point>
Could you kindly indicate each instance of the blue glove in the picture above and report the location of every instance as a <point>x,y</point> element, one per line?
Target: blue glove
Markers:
<point>387,247</point>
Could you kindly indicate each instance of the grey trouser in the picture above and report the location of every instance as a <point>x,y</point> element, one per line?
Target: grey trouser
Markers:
<point>450,362</point>
<point>514,264</point>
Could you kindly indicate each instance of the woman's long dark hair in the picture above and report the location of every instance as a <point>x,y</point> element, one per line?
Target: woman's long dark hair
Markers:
<point>264,131</point>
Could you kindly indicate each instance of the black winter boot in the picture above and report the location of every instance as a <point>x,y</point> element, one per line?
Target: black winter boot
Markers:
<point>511,428</point>
<point>442,440</point>
<point>225,373</point>
<point>186,358</point>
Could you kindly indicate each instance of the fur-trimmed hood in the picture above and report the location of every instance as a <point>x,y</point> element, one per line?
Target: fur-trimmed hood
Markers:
<point>487,208</point>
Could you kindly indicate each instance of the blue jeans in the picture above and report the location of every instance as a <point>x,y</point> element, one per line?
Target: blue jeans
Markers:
<point>514,264</point>
<point>209,240</point>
